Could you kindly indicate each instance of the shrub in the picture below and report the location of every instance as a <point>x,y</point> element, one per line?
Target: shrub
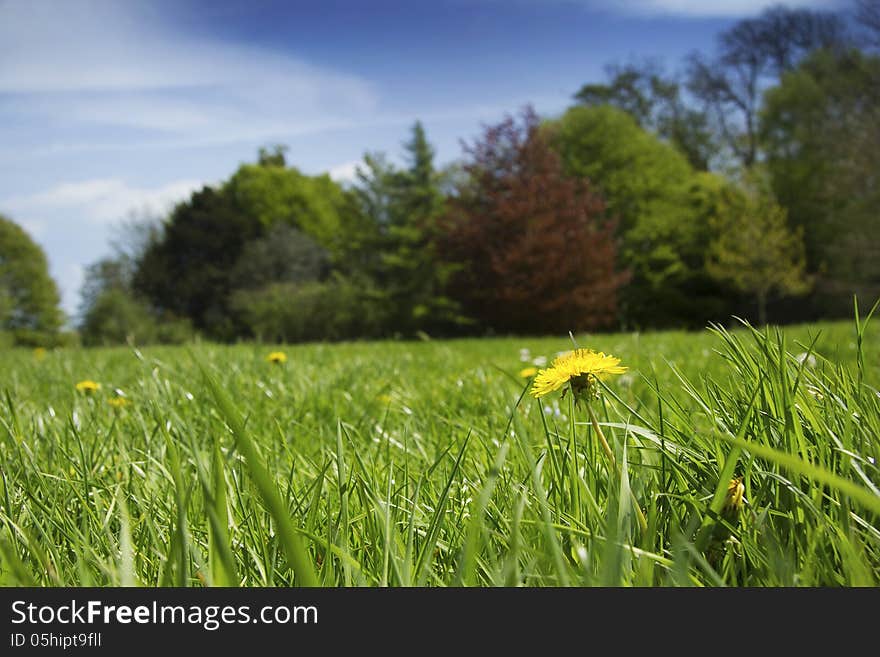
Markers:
<point>294,312</point>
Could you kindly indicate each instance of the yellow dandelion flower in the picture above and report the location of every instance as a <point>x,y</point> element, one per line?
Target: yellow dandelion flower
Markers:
<point>118,402</point>
<point>579,368</point>
<point>730,512</point>
<point>277,357</point>
<point>528,372</point>
<point>39,353</point>
<point>88,387</point>
<point>733,500</point>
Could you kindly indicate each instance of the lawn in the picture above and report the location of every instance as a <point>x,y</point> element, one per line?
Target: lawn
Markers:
<point>428,463</point>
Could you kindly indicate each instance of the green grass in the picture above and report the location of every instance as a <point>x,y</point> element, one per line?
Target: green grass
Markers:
<point>428,464</point>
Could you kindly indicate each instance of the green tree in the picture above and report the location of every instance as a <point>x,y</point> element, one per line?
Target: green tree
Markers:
<point>656,102</point>
<point>283,255</point>
<point>753,249</point>
<point>187,272</point>
<point>29,298</point>
<point>110,311</point>
<point>111,273</point>
<point>271,193</point>
<point>403,206</point>
<point>272,155</point>
<point>282,293</point>
<point>662,206</point>
<point>130,241</point>
<point>820,128</point>
<point>216,242</point>
<point>419,278</point>
<point>334,309</point>
<point>116,317</point>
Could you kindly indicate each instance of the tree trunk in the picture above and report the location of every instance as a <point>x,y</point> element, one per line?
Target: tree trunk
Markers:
<point>762,308</point>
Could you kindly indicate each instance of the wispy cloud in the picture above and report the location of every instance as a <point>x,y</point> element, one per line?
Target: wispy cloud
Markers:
<point>263,132</point>
<point>98,63</point>
<point>100,201</point>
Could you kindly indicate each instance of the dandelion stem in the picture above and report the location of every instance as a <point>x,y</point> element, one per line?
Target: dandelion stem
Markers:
<point>601,435</point>
<point>643,522</point>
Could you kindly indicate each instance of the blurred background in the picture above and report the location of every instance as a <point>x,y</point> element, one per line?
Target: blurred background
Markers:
<point>290,171</point>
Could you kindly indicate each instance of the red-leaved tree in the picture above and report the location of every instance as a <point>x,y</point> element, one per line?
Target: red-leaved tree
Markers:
<point>536,252</point>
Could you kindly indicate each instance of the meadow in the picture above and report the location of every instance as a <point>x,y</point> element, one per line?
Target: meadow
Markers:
<point>429,463</point>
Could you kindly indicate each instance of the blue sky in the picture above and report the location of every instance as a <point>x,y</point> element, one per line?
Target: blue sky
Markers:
<point>110,108</point>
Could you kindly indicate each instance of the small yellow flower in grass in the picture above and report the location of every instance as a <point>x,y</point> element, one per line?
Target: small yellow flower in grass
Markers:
<point>88,387</point>
<point>580,369</point>
<point>39,353</point>
<point>528,372</point>
<point>118,402</point>
<point>733,500</point>
<point>277,357</point>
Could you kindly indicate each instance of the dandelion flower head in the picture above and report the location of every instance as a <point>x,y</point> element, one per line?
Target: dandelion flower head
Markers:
<point>733,500</point>
<point>88,386</point>
<point>528,372</point>
<point>579,368</point>
<point>118,402</point>
<point>277,357</point>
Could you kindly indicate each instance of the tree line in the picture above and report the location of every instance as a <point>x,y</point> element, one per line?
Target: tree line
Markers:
<point>746,183</point>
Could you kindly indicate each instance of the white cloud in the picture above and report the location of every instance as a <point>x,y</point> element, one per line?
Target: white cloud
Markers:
<point>35,228</point>
<point>708,8</point>
<point>102,201</point>
<point>109,64</point>
<point>345,172</point>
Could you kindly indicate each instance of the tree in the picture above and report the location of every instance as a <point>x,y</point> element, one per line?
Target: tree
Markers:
<point>29,298</point>
<point>217,241</point>
<point>753,54</point>
<point>335,309</point>
<point>187,272</point>
<point>270,193</point>
<point>283,255</point>
<point>110,311</point>
<point>133,237</point>
<point>655,101</point>
<point>410,263</point>
<point>753,248</point>
<point>534,250</point>
<point>661,205</point>
<point>402,206</point>
<point>116,317</point>
<point>278,290</point>
<point>272,156</point>
<point>821,134</point>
